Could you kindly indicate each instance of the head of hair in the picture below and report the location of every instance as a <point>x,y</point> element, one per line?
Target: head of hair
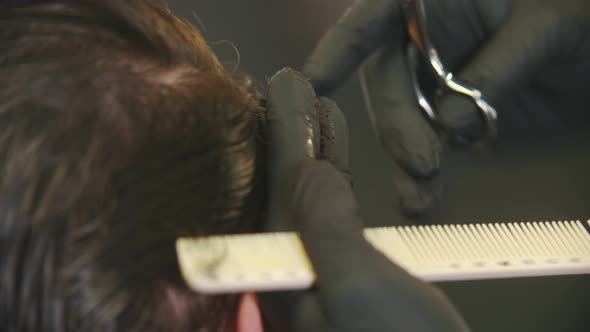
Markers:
<point>119,132</point>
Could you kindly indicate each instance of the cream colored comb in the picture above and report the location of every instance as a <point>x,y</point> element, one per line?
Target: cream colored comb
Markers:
<point>277,261</point>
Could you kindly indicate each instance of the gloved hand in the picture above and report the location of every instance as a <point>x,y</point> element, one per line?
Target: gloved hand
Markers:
<point>300,126</point>
<point>357,289</point>
<point>530,59</point>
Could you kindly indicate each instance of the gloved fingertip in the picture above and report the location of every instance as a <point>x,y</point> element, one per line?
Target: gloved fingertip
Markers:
<point>415,206</point>
<point>461,117</point>
<point>288,75</point>
<point>422,197</point>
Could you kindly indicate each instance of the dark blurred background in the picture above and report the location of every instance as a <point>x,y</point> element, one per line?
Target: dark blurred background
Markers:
<point>528,181</point>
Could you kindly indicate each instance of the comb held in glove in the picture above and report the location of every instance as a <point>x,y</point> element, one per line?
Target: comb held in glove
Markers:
<point>277,261</point>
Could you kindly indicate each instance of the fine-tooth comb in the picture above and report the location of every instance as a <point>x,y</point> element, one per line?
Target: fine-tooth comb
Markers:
<point>277,261</point>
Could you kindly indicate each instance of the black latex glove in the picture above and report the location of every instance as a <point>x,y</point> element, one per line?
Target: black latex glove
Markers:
<point>300,126</point>
<point>357,289</point>
<point>530,59</point>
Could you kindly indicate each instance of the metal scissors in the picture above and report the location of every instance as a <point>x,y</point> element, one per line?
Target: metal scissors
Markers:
<point>417,24</point>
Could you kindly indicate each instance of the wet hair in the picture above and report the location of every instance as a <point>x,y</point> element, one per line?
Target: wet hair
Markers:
<point>119,132</point>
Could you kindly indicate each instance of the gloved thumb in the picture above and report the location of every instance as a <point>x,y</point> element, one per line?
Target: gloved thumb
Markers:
<point>521,48</point>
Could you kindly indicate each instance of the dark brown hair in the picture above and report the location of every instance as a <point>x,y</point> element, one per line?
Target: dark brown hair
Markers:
<point>119,132</point>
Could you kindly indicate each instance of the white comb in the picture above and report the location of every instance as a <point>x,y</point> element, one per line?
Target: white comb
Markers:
<point>277,261</point>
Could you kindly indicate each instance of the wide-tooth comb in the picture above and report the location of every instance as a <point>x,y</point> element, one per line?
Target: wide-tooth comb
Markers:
<point>277,261</point>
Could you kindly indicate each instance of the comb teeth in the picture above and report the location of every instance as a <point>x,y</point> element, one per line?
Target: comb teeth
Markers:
<point>278,261</point>
<point>478,251</point>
